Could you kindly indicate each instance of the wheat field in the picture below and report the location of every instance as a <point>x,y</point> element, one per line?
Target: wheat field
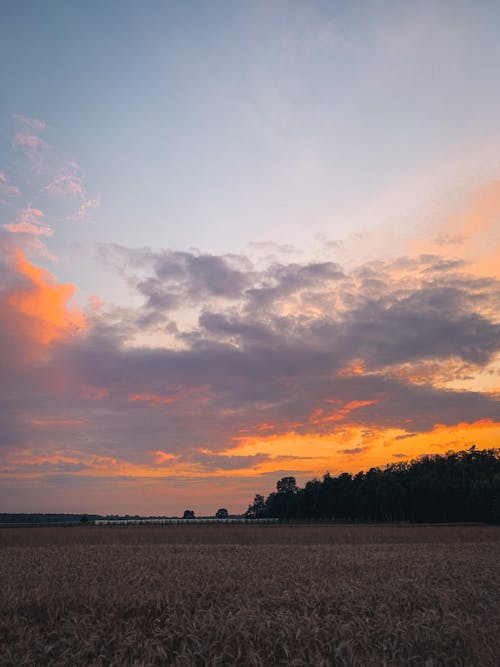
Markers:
<point>249,595</point>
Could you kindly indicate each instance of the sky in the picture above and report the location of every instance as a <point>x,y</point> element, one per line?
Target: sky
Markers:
<point>240,241</point>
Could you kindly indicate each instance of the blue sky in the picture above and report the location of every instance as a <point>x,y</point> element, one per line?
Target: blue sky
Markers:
<point>216,124</point>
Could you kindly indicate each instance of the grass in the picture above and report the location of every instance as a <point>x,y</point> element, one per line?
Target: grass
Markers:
<point>250,595</point>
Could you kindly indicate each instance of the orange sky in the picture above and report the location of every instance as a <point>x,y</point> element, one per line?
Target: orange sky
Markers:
<point>198,379</point>
<point>160,444</point>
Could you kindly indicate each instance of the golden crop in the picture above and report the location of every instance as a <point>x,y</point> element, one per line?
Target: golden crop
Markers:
<point>250,595</point>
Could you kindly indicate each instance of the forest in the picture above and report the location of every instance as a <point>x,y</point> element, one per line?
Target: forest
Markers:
<point>456,486</point>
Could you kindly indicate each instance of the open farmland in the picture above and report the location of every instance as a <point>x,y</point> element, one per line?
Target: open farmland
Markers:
<point>256,595</point>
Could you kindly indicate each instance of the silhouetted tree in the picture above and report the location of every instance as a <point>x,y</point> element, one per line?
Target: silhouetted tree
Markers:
<point>188,514</point>
<point>257,510</point>
<point>222,513</point>
<point>459,486</point>
<point>284,503</point>
<point>287,485</point>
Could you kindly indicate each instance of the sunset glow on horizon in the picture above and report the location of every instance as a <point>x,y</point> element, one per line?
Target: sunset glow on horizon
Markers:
<point>273,251</point>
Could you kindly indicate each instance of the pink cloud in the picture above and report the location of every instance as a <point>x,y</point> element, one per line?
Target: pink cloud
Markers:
<point>28,228</point>
<point>70,182</point>
<point>7,188</point>
<point>33,123</point>
<point>84,211</point>
<point>95,303</point>
<point>29,222</point>
<point>33,148</point>
<point>30,140</point>
<point>29,213</point>
<point>55,421</point>
<point>152,399</point>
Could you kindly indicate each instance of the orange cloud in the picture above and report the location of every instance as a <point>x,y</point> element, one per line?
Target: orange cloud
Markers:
<point>162,457</point>
<point>29,222</point>
<point>195,394</point>
<point>153,399</point>
<point>56,422</point>
<point>306,456</point>
<point>356,367</point>
<point>361,448</point>
<point>45,302</point>
<point>319,416</point>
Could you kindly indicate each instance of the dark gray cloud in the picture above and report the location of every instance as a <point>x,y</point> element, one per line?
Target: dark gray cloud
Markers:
<point>211,462</point>
<point>178,279</point>
<point>353,450</point>
<point>259,347</point>
<point>45,468</point>
<point>433,322</point>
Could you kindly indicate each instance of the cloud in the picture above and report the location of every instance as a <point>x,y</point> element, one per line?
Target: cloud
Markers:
<point>36,299</point>
<point>31,123</point>
<point>152,399</point>
<point>200,274</point>
<point>29,222</point>
<point>93,393</point>
<point>67,183</point>
<point>34,148</point>
<point>315,321</point>
<point>303,360</point>
<point>29,228</point>
<point>84,211</point>
<point>63,180</point>
<point>6,188</point>
<point>208,462</point>
<point>30,141</point>
<point>285,366</point>
<point>162,457</point>
<point>353,450</point>
<point>56,421</point>
<point>174,279</point>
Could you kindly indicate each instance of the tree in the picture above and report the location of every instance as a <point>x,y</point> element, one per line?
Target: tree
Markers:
<point>222,513</point>
<point>188,514</point>
<point>458,486</point>
<point>257,509</point>
<point>287,485</point>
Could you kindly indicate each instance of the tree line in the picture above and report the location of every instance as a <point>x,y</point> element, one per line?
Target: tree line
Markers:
<point>457,486</point>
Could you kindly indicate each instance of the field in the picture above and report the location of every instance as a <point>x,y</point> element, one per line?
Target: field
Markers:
<point>250,595</point>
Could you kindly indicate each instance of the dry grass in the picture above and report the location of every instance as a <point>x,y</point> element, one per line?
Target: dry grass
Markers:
<point>244,595</point>
<point>251,534</point>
